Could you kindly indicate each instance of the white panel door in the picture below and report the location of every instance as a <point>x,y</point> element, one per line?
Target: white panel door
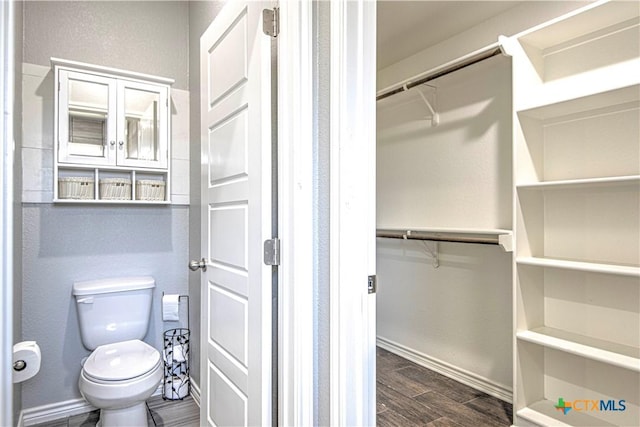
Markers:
<point>235,61</point>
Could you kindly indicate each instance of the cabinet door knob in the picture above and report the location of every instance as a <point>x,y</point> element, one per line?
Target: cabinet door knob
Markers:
<point>121,144</point>
<point>112,143</point>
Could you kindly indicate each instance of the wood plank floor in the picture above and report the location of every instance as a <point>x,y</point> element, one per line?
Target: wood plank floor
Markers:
<point>411,395</point>
<point>407,395</point>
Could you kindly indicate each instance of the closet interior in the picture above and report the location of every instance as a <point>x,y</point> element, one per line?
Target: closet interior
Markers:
<point>444,230</point>
<point>508,206</point>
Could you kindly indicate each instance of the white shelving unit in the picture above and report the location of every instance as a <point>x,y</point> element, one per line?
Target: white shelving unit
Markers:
<point>577,217</point>
<point>112,133</point>
<point>98,173</point>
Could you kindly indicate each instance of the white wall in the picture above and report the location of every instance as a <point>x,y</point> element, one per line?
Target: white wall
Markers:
<point>65,243</point>
<point>456,175</point>
<point>458,314</point>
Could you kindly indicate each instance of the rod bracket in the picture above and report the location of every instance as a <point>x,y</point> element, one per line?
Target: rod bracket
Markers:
<point>435,117</point>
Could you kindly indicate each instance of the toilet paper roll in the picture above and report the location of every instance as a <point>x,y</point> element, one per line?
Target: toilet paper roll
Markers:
<point>175,353</point>
<point>26,360</point>
<point>176,387</point>
<point>170,307</point>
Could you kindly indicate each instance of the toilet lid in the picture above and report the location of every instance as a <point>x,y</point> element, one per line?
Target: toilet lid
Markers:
<point>121,360</point>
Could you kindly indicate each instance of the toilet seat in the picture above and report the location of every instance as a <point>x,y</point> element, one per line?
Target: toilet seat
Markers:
<point>121,361</point>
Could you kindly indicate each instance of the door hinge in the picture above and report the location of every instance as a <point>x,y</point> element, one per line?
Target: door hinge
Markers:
<point>372,285</point>
<point>271,21</point>
<point>272,251</point>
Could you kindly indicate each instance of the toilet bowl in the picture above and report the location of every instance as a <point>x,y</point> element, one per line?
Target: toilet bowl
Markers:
<point>122,371</point>
<point>118,378</point>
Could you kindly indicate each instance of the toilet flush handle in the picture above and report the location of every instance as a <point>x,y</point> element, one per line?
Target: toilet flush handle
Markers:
<point>87,300</point>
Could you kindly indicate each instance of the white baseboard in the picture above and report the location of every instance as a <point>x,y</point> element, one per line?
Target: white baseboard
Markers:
<point>465,377</point>
<point>195,391</point>
<point>55,411</point>
<point>60,410</point>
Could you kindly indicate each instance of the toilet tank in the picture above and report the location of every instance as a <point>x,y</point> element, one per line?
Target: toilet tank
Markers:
<point>113,310</point>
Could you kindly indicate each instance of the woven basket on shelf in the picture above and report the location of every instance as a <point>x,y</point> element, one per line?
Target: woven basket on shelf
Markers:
<point>76,187</point>
<point>115,189</point>
<point>148,189</point>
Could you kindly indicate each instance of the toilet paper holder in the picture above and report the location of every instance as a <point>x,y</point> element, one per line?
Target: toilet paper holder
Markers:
<point>19,365</point>
<point>26,361</point>
<point>181,297</point>
<point>176,383</point>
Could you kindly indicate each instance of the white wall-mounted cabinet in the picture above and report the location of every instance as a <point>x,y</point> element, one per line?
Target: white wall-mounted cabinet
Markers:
<point>577,217</point>
<point>112,131</point>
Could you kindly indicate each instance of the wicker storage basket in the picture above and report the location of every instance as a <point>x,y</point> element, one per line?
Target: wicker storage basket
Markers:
<point>76,187</point>
<point>148,189</point>
<point>115,189</point>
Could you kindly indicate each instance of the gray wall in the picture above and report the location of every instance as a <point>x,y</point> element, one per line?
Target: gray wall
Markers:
<point>201,14</point>
<point>143,36</point>
<point>322,154</point>
<point>65,243</point>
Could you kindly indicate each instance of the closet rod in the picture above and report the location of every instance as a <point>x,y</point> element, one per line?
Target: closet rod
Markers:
<point>440,236</point>
<point>464,62</point>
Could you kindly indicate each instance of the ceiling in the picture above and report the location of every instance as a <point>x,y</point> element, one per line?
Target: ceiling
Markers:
<point>407,27</point>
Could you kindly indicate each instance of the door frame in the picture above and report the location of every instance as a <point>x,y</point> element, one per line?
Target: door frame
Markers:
<point>353,212</point>
<point>351,195</point>
<point>296,392</point>
<point>7,81</point>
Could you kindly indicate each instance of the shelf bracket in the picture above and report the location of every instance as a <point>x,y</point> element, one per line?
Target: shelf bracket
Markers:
<point>435,117</point>
<point>433,251</point>
<point>506,242</point>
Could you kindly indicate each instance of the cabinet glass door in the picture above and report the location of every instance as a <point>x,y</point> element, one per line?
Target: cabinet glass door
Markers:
<point>86,124</point>
<point>142,140</point>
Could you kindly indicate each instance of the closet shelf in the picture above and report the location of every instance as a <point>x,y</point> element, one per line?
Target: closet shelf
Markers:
<point>583,183</point>
<point>572,94</point>
<point>552,35</point>
<point>559,61</point>
<point>621,270</point>
<point>625,95</point>
<point>544,413</point>
<point>499,237</point>
<point>619,355</point>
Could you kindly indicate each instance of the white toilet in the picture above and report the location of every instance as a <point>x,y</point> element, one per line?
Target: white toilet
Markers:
<point>122,372</point>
